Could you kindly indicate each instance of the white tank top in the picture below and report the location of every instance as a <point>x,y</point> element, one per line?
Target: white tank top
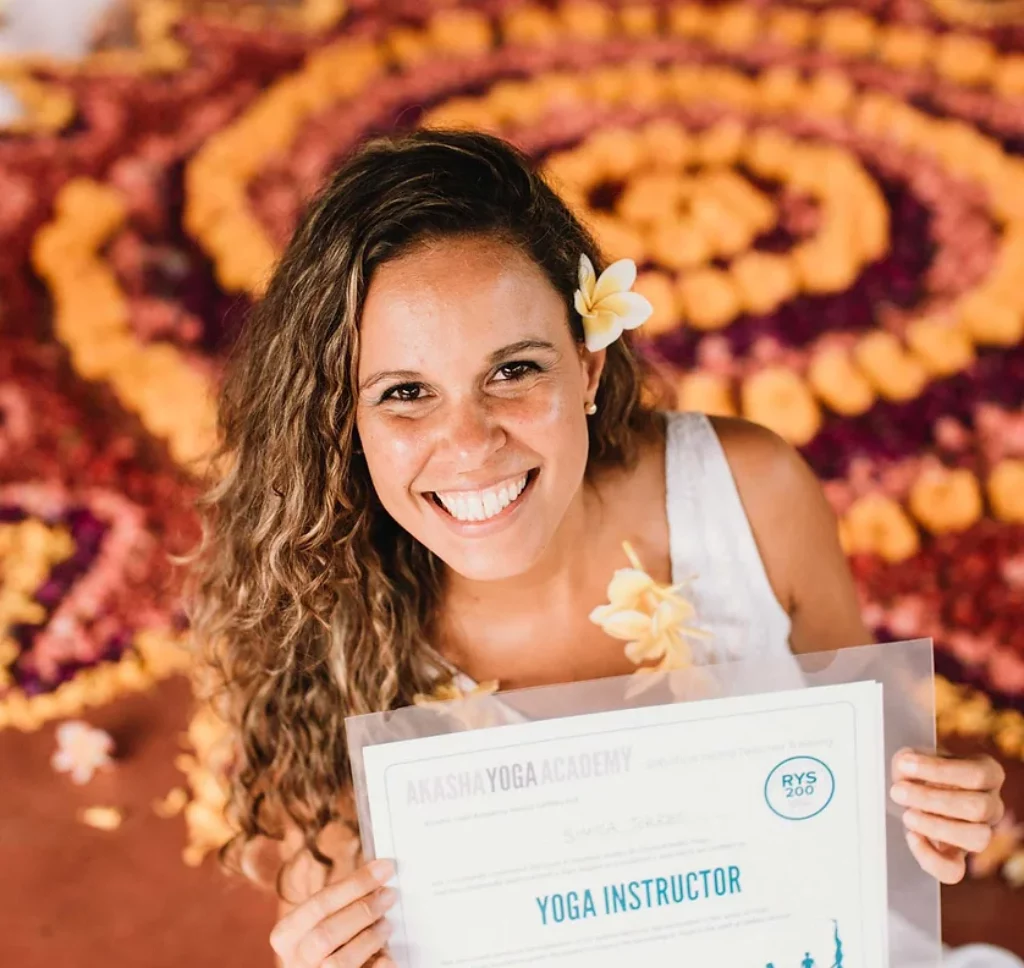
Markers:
<point>711,542</point>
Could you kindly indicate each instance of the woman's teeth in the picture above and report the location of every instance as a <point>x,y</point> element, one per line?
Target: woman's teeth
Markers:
<point>481,505</point>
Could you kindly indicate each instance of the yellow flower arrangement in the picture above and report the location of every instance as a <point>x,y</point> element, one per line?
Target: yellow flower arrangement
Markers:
<point>965,59</point>
<point>1006,490</point>
<point>655,621</point>
<point>586,19</point>
<point>156,654</point>
<point>852,206</point>
<point>680,245</point>
<point>658,288</point>
<point>849,32</point>
<point>764,280</point>
<point>709,298</point>
<point>216,209</point>
<point>171,396</point>
<point>893,372</point>
<point>778,398</point>
<point>46,107</point>
<point>836,380</point>
<point>946,500</point>
<point>991,321</point>
<point>639,19</point>
<point>1008,76</point>
<point>206,768</point>
<point>28,551</point>
<point>461,32</point>
<point>941,345</point>
<point>707,393</point>
<point>216,193</point>
<point>876,524</point>
<point>531,25</point>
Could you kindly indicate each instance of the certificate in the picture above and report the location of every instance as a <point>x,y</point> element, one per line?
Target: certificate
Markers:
<point>743,832</point>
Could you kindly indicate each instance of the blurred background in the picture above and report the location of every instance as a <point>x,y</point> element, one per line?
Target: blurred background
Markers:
<point>827,204</point>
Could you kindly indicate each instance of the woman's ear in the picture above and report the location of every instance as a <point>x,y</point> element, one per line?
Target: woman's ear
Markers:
<point>593,367</point>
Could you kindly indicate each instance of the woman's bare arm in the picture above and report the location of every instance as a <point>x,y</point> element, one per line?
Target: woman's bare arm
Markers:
<point>797,535</point>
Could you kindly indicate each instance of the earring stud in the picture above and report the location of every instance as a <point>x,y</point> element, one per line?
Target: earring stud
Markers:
<point>590,409</point>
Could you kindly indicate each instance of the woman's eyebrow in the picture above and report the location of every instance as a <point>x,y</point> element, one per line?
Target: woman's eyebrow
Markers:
<point>521,346</point>
<point>404,375</point>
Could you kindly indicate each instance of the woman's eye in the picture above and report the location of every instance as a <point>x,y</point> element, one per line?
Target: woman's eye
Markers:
<point>406,393</point>
<point>517,370</point>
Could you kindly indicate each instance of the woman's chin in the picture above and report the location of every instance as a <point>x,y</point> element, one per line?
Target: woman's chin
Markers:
<point>494,559</point>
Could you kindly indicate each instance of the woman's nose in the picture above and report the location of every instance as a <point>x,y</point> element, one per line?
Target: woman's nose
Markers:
<point>472,434</point>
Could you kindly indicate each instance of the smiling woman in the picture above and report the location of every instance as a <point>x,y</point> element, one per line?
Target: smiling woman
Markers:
<point>435,446</point>
<point>408,420</point>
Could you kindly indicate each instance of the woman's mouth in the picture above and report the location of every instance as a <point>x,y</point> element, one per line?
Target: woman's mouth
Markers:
<point>477,507</point>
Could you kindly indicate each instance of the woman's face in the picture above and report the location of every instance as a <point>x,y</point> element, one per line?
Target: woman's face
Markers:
<point>471,403</point>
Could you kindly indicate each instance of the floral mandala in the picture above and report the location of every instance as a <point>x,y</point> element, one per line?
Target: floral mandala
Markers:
<point>826,204</point>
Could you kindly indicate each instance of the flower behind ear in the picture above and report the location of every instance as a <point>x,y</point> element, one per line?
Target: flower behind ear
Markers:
<point>607,305</point>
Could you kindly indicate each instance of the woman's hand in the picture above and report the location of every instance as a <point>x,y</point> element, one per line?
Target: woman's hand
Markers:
<point>952,806</point>
<point>341,925</point>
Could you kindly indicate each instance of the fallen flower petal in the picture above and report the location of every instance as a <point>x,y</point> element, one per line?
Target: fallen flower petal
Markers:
<point>172,804</point>
<point>102,818</point>
<point>81,750</point>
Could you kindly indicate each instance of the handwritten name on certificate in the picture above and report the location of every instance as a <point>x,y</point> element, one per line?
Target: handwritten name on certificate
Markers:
<point>730,833</point>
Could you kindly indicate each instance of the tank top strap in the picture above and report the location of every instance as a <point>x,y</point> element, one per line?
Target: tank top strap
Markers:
<point>712,544</point>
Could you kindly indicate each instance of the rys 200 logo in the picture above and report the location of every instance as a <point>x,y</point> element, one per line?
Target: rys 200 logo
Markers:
<point>800,787</point>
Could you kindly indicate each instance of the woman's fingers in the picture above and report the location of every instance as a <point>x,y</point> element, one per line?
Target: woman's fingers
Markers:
<point>361,949</point>
<point>971,837</point>
<point>947,865</point>
<point>980,773</point>
<point>956,804</point>
<point>295,925</point>
<point>343,928</point>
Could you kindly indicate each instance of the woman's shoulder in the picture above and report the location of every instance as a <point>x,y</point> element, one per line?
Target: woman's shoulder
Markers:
<point>758,454</point>
<point>781,496</point>
<point>774,481</point>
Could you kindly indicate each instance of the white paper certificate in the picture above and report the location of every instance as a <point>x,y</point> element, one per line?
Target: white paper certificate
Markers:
<point>731,833</point>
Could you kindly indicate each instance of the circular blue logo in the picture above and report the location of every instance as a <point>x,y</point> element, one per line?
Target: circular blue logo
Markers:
<point>799,788</point>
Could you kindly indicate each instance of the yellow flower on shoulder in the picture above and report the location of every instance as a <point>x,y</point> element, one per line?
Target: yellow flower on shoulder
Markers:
<point>654,620</point>
<point>606,303</point>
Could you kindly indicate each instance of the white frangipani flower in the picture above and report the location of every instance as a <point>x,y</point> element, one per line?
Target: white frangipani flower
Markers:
<point>607,305</point>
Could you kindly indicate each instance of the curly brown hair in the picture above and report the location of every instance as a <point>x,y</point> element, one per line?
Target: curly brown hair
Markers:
<point>309,601</point>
